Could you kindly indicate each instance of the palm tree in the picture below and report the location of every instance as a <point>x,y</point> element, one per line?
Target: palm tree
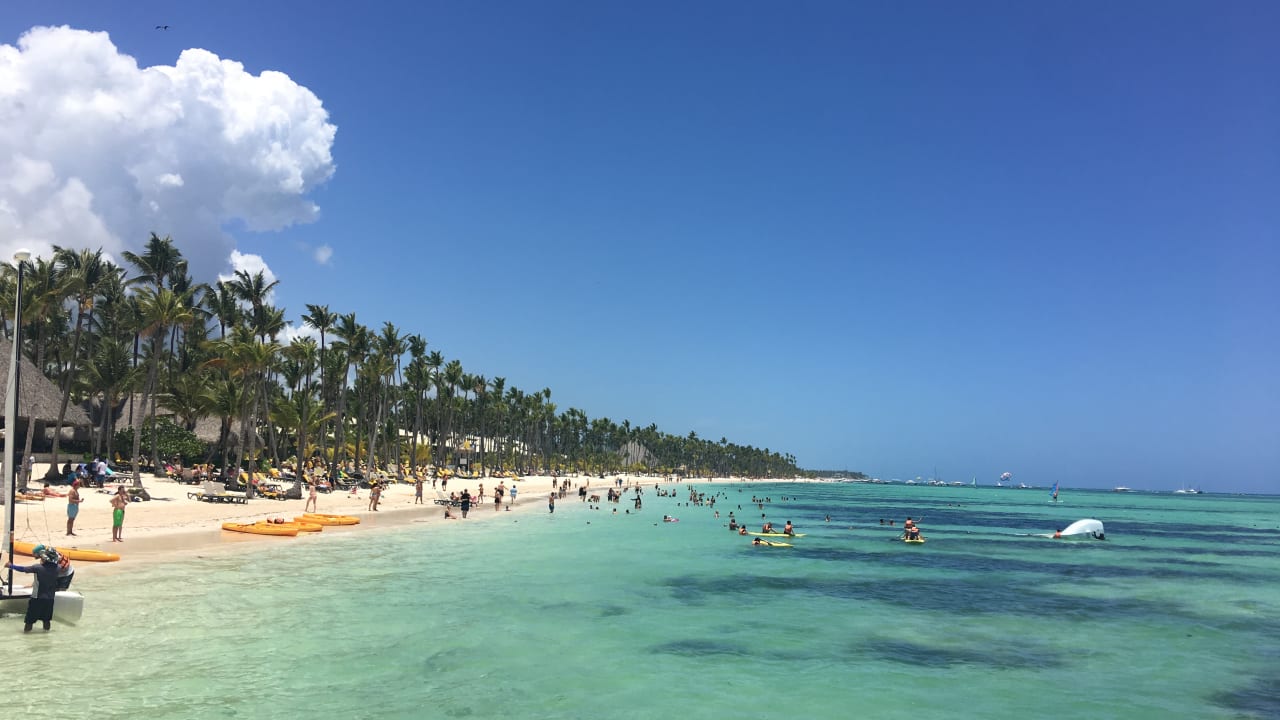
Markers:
<point>161,309</point>
<point>44,294</point>
<point>83,271</point>
<point>159,261</point>
<point>353,348</point>
<point>108,374</point>
<point>220,302</point>
<point>320,318</point>
<point>253,289</point>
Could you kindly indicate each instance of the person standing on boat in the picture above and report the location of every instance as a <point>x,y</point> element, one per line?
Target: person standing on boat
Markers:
<point>73,506</point>
<point>40,606</point>
<point>118,503</point>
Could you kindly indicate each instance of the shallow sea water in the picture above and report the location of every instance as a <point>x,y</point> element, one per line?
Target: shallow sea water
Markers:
<point>586,614</point>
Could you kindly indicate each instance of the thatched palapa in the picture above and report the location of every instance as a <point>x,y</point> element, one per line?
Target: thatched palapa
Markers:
<point>38,396</point>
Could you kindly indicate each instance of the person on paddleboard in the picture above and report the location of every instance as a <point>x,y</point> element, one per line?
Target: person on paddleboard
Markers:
<point>910,531</point>
<point>788,529</point>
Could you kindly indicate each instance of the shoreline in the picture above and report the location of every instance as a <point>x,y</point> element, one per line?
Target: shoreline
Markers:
<point>171,526</point>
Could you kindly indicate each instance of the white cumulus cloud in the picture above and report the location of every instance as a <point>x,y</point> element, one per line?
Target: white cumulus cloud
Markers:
<point>323,253</point>
<point>251,264</point>
<point>97,152</point>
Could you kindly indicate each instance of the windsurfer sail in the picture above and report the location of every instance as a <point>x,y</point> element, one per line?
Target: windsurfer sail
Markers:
<point>1054,494</point>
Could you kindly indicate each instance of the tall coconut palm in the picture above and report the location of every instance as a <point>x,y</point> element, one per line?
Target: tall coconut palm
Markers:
<point>43,295</point>
<point>161,309</point>
<point>253,289</point>
<point>108,375</point>
<point>320,318</point>
<point>159,261</point>
<point>418,379</point>
<point>219,302</point>
<point>83,272</point>
<point>354,345</point>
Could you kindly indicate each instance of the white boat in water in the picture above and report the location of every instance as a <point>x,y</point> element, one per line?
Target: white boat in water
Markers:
<point>1121,488</point>
<point>1187,491</point>
<point>1086,529</point>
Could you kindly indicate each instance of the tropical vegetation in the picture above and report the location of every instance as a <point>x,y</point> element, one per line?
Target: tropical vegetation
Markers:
<point>146,342</point>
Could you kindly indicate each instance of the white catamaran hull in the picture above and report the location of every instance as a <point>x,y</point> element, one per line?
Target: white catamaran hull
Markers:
<point>68,605</point>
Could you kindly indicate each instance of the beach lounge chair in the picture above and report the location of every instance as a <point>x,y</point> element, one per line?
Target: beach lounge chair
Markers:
<point>216,492</point>
<point>442,499</point>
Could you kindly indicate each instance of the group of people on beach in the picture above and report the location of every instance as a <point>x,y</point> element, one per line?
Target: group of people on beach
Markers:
<point>119,501</point>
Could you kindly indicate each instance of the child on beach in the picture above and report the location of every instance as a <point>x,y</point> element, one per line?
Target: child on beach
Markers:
<point>118,503</point>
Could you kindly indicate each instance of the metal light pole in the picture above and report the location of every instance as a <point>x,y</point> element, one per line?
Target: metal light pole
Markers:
<point>11,415</point>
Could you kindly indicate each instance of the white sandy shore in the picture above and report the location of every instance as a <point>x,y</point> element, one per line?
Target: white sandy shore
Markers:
<point>173,525</point>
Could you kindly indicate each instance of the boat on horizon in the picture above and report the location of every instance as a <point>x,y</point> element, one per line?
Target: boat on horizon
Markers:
<point>1121,488</point>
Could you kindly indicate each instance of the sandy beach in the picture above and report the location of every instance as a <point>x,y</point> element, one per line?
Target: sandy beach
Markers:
<point>173,524</point>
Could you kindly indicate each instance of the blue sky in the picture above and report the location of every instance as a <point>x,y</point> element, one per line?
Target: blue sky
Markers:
<point>981,237</point>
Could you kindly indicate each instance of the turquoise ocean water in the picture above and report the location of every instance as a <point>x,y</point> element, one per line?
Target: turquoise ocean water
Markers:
<point>584,614</point>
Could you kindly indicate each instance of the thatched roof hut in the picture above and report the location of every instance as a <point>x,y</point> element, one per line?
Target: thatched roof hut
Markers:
<point>39,397</point>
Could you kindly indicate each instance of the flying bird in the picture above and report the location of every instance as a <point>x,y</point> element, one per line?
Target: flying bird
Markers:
<point>162,27</point>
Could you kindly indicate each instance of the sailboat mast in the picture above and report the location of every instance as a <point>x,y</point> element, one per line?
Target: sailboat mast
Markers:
<point>11,422</point>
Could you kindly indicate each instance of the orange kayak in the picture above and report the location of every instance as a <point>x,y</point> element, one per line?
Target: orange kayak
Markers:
<point>300,524</point>
<point>263,529</point>
<point>329,519</point>
<point>26,548</point>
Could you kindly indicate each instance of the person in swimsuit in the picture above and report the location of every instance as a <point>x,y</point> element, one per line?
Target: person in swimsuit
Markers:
<point>311,497</point>
<point>788,529</point>
<point>118,503</point>
<point>73,507</point>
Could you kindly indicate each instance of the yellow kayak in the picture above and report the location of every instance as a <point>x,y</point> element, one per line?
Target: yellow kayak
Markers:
<point>301,525</point>
<point>26,548</point>
<point>324,519</point>
<point>263,529</point>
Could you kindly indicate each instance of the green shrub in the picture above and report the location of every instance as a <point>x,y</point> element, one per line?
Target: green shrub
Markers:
<point>173,439</point>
